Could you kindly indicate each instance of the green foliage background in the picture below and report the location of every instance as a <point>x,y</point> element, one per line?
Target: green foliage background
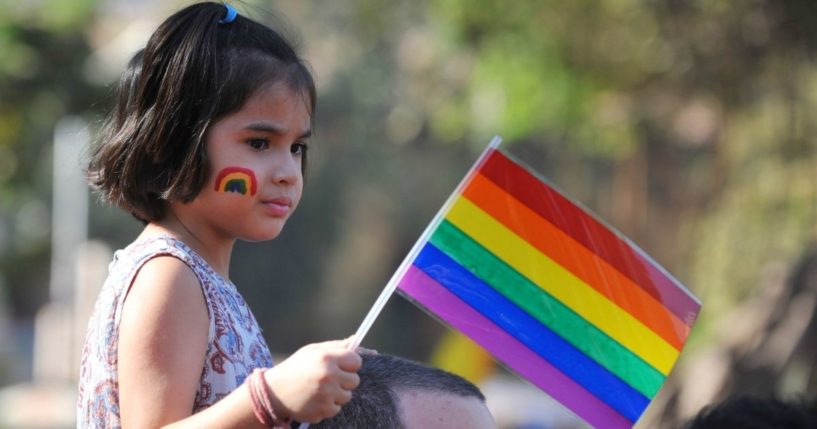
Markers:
<point>688,125</point>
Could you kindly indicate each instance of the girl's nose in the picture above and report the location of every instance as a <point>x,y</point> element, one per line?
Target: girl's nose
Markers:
<point>287,169</point>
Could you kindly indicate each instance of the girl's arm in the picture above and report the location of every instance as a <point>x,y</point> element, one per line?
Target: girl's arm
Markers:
<point>162,344</point>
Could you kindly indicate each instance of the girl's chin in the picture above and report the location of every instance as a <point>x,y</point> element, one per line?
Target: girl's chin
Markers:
<point>258,238</point>
<point>262,236</point>
<point>260,231</point>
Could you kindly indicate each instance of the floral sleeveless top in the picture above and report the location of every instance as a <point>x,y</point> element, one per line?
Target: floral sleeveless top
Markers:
<point>235,345</point>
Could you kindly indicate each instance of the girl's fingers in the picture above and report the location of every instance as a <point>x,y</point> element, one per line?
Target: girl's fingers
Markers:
<point>350,361</point>
<point>325,413</point>
<point>343,397</point>
<point>348,381</point>
<point>344,343</point>
<point>349,341</point>
<point>365,351</point>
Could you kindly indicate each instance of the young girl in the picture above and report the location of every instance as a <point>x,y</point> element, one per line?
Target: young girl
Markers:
<point>207,144</point>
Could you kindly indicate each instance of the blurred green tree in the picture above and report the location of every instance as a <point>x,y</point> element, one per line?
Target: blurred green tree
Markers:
<point>43,50</point>
<point>685,124</point>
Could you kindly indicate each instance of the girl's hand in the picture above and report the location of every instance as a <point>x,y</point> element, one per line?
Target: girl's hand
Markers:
<point>315,381</point>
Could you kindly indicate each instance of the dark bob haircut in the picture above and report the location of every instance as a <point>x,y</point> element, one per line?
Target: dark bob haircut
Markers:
<point>193,71</point>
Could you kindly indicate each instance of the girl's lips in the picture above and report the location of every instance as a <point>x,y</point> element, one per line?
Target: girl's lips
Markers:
<point>277,207</point>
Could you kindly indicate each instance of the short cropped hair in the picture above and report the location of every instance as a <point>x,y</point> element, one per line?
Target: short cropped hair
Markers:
<point>193,71</point>
<point>752,412</point>
<point>375,402</point>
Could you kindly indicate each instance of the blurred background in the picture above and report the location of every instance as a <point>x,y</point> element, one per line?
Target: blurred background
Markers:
<point>687,125</point>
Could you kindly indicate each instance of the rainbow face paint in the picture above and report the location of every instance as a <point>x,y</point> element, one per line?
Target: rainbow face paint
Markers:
<point>236,179</point>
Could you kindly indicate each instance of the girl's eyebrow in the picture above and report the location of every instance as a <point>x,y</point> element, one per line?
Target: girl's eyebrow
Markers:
<point>274,129</point>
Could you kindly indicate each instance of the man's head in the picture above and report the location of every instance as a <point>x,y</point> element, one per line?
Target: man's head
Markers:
<point>396,393</point>
<point>750,412</point>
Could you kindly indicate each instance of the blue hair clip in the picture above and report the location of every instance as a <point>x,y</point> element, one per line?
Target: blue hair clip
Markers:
<point>229,17</point>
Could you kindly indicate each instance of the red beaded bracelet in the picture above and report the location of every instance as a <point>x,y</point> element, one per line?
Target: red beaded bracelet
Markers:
<point>261,401</point>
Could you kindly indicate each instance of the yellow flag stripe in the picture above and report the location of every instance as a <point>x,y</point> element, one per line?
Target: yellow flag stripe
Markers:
<point>563,285</point>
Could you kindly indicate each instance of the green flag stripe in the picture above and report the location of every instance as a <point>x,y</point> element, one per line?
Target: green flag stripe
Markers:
<point>547,310</point>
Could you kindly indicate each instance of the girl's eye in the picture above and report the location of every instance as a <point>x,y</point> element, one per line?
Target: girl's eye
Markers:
<point>298,148</point>
<point>258,144</point>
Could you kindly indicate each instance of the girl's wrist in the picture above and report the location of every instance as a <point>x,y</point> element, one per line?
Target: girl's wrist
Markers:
<point>267,407</point>
<point>278,406</point>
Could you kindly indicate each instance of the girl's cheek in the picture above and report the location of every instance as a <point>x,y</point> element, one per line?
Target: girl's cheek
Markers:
<point>237,179</point>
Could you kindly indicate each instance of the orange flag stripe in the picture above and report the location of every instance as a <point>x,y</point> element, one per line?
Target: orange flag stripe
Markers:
<point>577,259</point>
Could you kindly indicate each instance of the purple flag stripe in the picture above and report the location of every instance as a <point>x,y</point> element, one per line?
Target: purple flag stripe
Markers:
<point>430,295</point>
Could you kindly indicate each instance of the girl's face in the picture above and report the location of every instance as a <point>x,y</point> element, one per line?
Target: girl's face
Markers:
<point>255,157</point>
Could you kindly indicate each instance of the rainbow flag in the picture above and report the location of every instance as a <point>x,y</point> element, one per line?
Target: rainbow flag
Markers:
<point>551,292</point>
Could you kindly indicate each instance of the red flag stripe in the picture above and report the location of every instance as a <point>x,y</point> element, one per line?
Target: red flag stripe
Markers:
<point>584,264</point>
<point>559,211</point>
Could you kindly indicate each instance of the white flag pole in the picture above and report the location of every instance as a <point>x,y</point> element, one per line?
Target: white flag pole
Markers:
<point>368,321</point>
<point>387,292</point>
